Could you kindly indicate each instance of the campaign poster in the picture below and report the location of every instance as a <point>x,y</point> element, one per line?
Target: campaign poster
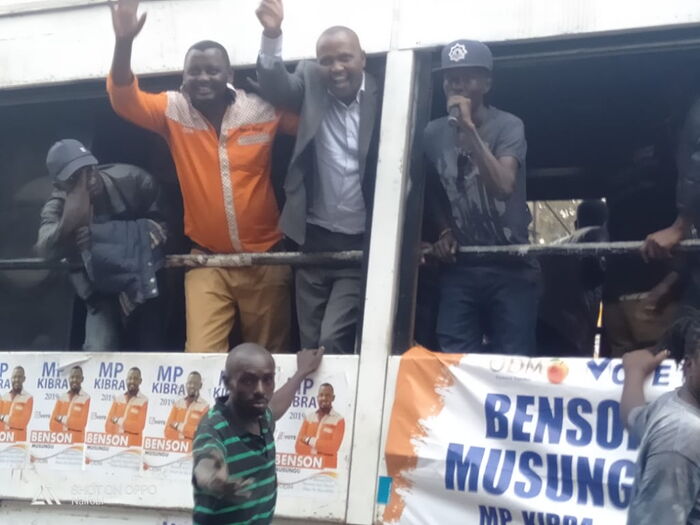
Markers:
<point>62,405</point>
<point>313,437</point>
<point>118,412</point>
<point>180,393</point>
<point>16,407</point>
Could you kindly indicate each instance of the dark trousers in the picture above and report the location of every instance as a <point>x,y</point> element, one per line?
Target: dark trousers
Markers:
<point>328,299</point>
<point>488,309</point>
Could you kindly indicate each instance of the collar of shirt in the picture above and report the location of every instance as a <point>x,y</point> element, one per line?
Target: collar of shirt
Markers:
<point>357,97</point>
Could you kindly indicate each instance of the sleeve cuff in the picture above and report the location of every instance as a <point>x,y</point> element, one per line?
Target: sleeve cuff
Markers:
<point>111,86</point>
<point>271,47</point>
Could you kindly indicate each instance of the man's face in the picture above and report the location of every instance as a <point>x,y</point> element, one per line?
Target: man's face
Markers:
<point>252,385</point>
<point>75,380</point>
<point>342,64</point>
<point>17,380</point>
<point>133,382</point>
<point>90,172</point>
<point>205,76</point>
<point>193,385</point>
<point>325,398</point>
<point>470,82</point>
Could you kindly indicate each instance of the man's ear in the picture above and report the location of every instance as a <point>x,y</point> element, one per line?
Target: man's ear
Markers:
<point>488,82</point>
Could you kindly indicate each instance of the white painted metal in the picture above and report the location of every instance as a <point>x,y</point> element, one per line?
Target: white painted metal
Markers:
<point>41,45</point>
<point>382,283</point>
<point>437,22</point>
<point>21,513</point>
<point>42,48</point>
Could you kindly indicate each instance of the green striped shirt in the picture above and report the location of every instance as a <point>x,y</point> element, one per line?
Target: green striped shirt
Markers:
<point>247,456</point>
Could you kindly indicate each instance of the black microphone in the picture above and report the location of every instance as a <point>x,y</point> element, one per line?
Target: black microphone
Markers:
<point>454,116</point>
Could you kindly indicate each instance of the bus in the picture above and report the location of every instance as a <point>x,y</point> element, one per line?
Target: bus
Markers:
<point>589,79</point>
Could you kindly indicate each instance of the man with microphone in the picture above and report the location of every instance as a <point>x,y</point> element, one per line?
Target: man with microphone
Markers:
<point>475,196</point>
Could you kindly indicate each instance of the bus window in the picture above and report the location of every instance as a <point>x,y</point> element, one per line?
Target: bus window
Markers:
<point>589,122</point>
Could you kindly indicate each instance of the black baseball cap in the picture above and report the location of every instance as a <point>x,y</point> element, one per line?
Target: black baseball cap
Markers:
<point>465,53</point>
<point>66,157</point>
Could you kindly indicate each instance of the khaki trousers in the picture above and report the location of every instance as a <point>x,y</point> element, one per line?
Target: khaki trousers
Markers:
<point>258,296</point>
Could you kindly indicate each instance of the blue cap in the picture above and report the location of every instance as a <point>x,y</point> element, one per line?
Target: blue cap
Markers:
<point>66,157</point>
<point>466,53</point>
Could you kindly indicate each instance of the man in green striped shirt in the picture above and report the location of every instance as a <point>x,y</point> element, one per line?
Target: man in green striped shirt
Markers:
<point>234,476</point>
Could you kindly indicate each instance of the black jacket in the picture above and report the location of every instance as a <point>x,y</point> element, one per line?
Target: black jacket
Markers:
<point>119,233</point>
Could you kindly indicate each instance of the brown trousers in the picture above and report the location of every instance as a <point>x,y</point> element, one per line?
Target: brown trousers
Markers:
<point>629,327</point>
<point>258,296</point>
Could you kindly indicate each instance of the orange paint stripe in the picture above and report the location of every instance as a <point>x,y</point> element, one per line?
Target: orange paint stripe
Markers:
<point>421,375</point>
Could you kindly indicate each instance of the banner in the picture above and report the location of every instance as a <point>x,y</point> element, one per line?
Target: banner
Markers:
<point>496,440</point>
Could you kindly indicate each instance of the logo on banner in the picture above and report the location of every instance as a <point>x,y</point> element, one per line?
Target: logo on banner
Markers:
<point>45,497</point>
<point>557,371</point>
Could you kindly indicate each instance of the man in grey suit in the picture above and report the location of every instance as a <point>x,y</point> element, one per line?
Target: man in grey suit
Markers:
<point>330,182</point>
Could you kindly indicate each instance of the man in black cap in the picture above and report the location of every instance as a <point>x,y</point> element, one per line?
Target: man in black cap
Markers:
<point>104,220</point>
<point>476,197</point>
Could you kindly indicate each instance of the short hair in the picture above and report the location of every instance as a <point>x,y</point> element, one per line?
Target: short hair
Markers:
<point>194,372</point>
<point>78,368</point>
<point>682,340</point>
<point>209,44</point>
<point>340,29</point>
<point>592,212</point>
<point>134,368</point>
<point>328,385</point>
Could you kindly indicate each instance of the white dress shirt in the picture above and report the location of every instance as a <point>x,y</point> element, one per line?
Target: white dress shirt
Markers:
<point>337,203</point>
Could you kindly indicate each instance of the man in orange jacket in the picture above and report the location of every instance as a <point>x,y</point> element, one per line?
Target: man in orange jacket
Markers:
<point>322,431</point>
<point>128,413</point>
<point>221,140</point>
<point>70,413</point>
<point>16,407</point>
<point>186,413</point>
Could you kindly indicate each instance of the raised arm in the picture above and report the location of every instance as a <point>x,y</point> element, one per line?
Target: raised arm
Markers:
<point>307,362</point>
<point>143,109</point>
<point>60,218</point>
<point>277,85</point>
<point>638,365</point>
<point>126,27</point>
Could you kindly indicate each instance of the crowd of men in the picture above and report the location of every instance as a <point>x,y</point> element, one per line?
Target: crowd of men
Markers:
<point>107,220</point>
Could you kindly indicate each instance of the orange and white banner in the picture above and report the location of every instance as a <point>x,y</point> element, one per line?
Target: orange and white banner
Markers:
<point>508,440</point>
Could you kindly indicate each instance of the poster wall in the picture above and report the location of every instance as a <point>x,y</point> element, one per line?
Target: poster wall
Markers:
<point>511,440</point>
<point>117,429</point>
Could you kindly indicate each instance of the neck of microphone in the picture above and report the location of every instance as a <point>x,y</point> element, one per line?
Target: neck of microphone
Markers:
<point>454,116</point>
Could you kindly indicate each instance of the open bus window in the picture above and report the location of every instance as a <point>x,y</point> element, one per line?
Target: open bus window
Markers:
<point>83,112</point>
<point>601,126</point>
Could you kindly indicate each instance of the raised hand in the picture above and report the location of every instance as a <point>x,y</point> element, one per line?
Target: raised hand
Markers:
<point>271,13</point>
<point>124,19</point>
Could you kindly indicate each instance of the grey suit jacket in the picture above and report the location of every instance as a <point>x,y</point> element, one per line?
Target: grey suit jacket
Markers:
<point>305,93</point>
